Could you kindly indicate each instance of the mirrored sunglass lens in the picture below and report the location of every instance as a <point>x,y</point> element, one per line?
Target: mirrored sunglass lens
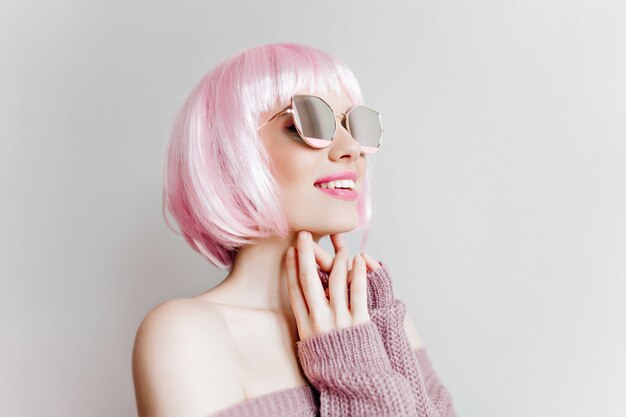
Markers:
<point>365,126</point>
<point>314,117</point>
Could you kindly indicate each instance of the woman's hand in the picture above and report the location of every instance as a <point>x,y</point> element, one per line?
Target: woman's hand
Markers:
<point>314,312</point>
<point>326,261</point>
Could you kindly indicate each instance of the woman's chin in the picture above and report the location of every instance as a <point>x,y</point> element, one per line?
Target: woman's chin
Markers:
<point>335,227</point>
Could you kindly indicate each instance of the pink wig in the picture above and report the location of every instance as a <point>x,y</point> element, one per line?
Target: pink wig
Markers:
<point>217,181</point>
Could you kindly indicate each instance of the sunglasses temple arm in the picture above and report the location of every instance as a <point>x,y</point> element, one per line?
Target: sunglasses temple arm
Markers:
<point>286,110</point>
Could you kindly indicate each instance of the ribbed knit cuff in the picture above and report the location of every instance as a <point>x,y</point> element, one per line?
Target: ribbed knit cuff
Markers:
<point>379,286</point>
<point>391,315</point>
<point>324,357</point>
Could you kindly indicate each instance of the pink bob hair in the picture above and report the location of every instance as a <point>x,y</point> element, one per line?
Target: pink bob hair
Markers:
<point>217,182</point>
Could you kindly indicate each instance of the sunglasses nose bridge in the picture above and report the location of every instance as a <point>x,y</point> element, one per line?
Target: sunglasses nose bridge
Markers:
<point>345,117</point>
<point>352,141</point>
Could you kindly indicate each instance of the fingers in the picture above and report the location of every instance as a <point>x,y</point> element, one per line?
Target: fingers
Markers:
<point>324,260</point>
<point>338,243</point>
<point>370,262</point>
<point>307,273</point>
<point>345,301</point>
<point>338,286</point>
<point>358,291</point>
<point>296,296</point>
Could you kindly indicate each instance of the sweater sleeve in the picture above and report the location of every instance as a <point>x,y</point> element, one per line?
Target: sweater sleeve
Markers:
<point>437,392</point>
<point>432,399</point>
<point>350,369</point>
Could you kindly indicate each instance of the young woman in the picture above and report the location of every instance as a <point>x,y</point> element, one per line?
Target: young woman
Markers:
<point>268,155</point>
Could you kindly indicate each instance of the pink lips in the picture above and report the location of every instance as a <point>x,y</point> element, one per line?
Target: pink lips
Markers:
<point>349,195</point>
<point>342,194</point>
<point>344,175</point>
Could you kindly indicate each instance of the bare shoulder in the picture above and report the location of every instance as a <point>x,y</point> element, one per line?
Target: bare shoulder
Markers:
<point>183,361</point>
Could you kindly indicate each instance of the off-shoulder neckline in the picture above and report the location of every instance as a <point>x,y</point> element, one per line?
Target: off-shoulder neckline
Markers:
<point>293,398</point>
<point>282,392</point>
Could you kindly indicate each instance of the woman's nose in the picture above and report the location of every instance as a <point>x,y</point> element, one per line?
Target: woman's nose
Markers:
<point>344,143</point>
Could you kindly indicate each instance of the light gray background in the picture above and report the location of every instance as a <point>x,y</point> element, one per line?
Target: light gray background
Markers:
<point>499,191</point>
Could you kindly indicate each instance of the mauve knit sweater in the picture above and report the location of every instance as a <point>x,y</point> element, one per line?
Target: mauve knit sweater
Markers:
<point>364,370</point>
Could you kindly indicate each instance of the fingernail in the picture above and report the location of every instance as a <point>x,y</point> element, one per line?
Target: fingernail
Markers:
<point>303,235</point>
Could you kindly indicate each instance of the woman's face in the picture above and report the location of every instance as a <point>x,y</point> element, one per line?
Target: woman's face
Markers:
<point>297,167</point>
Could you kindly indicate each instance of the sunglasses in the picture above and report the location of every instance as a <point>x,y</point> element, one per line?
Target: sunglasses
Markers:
<point>316,123</point>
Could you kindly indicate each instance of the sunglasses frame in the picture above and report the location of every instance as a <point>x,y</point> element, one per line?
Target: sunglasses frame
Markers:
<point>322,143</point>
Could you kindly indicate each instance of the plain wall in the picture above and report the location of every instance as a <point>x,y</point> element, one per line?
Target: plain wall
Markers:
<point>500,188</point>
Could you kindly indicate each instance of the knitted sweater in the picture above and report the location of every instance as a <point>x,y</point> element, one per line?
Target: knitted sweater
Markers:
<point>367,369</point>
